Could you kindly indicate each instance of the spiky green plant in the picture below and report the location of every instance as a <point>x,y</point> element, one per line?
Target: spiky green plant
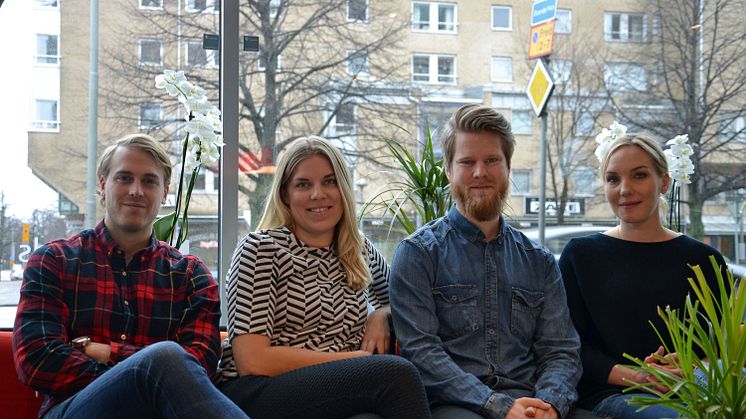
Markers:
<point>423,187</point>
<point>710,325</point>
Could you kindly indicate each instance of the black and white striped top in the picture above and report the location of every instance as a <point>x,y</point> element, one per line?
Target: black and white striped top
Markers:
<point>297,295</point>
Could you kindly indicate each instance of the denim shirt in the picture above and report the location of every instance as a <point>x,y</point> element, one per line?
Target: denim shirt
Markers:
<point>484,322</point>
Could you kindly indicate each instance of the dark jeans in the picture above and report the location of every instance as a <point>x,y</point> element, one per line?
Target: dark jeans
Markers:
<point>160,381</point>
<point>385,385</point>
<point>616,407</point>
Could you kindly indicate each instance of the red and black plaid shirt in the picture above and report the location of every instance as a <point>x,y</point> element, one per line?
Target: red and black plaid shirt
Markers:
<point>81,286</point>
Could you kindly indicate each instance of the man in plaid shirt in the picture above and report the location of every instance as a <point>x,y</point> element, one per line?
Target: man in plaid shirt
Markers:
<point>111,321</point>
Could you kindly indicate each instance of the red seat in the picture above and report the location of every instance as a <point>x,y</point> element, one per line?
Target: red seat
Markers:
<point>16,400</point>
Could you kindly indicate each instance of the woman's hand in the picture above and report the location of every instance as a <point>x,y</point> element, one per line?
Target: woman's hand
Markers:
<point>377,332</point>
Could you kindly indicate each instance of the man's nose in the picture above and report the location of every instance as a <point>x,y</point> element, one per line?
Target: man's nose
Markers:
<point>136,188</point>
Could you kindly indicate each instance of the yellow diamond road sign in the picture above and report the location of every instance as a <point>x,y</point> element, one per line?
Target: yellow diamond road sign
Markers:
<point>540,87</point>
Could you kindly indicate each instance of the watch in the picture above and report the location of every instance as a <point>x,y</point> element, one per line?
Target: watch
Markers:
<point>80,342</point>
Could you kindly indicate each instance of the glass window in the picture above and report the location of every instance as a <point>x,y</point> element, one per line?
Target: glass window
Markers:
<point>520,182</point>
<point>502,69</point>
<point>620,77</point>
<point>421,68</point>
<point>584,181</point>
<point>274,7</point>
<point>733,127</point>
<point>424,15</point>
<point>521,122</point>
<point>357,10</point>
<point>261,62</point>
<point>46,49</point>
<point>434,68</point>
<point>343,123</point>
<point>446,69</point>
<point>561,71</point>
<point>199,57</point>
<point>624,27</point>
<point>150,52</point>
<point>502,18</point>
<point>563,22</point>
<point>151,4</point>
<point>46,3</point>
<point>45,115</point>
<point>151,116</point>
<point>203,5</point>
<point>357,63</point>
<point>584,124</point>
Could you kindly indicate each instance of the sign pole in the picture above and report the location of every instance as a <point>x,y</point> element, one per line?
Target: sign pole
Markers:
<point>542,176</point>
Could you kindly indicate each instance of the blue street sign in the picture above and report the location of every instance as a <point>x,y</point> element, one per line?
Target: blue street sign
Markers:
<point>542,11</point>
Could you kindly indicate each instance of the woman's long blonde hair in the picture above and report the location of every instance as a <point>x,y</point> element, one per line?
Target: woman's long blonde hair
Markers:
<point>348,241</point>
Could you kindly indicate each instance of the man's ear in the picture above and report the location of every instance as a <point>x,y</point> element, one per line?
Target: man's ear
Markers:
<point>447,169</point>
<point>102,186</point>
<point>165,195</point>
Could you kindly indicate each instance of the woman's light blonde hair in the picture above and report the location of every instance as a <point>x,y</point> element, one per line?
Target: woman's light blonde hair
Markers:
<point>348,242</point>
<point>649,146</point>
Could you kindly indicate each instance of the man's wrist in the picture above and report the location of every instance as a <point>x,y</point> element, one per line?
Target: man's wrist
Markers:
<point>80,342</point>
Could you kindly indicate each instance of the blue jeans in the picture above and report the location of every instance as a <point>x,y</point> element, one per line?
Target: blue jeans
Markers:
<point>160,381</point>
<point>616,407</point>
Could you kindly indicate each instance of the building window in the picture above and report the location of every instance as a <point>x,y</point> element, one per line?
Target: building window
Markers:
<point>151,4</point>
<point>46,117</point>
<point>561,71</point>
<point>584,181</point>
<point>343,122</point>
<point>207,181</point>
<point>434,17</point>
<point>150,116</point>
<point>150,52</point>
<point>46,49</point>
<point>502,69</point>
<point>357,10</point>
<point>196,56</point>
<point>621,77</point>
<point>521,122</point>
<point>502,18</point>
<point>624,27</point>
<point>584,123</point>
<point>520,182</point>
<point>261,62</point>
<point>434,68</point>
<point>357,63</point>
<point>274,7</point>
<point>46,4</point>
<point>563,22</point>
<point>733,128</point>
<point>203,5</point>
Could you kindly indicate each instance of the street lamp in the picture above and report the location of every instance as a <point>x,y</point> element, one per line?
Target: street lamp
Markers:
<point>736,205</point>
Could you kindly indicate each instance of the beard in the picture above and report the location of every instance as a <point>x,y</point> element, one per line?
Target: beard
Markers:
<point>480,206</point>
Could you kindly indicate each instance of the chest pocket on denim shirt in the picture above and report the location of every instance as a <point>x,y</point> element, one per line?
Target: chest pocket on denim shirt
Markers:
<point>525,309</point>
<point>456,306</point>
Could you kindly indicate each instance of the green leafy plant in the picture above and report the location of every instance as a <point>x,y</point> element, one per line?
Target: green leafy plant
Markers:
<point>711,325</point>
<point>423,187</point>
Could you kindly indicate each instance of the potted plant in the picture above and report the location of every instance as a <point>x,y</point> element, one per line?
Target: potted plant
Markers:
<point>423,187</point>
<point>710,324</point>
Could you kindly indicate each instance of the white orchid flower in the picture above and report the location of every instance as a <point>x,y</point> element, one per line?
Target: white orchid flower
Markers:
<point>679,139</point>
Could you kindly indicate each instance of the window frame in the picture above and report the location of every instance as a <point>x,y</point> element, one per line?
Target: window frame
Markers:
<point>55,57</point>
<point>340,130</point>
<point>521,129</point>
<point>211,6</point>
<point>352,54</point>
<point>45,125</point>
<point>140,50</point>
<point>586,174</point>
<point>583,118</point>
<point>624,85</point>
<point>434,75</point>
<point>623,34</point>
<point>561,77</point>
<point>529,187</point>
<point>142,7</point>
<point>510,18</point>
<point>558,26</point>
<point>355,19</point>
<point>211,57</point>
<point>433,23</point>
<point>507,59</point>
<point>38,4</point>
<point>150,126</point>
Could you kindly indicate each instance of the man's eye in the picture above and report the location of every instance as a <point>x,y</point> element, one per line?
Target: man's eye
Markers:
<point>123,178</point>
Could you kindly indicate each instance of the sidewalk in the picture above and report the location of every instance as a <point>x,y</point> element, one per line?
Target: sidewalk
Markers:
<point>9,292</point>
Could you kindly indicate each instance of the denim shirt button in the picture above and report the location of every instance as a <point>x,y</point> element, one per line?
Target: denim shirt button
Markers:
<point>491,331</point>
<point>454,299</point>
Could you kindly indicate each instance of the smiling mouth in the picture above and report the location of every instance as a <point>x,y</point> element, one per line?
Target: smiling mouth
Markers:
<point>628,204</point>
<point>320,210</point>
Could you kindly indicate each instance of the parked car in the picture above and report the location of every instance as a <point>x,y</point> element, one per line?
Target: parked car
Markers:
<point>16,274</point>
<point>556,237</point>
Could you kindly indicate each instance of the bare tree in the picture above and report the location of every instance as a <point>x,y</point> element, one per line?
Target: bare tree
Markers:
<point>695,50</point>
<point>573,117</point>
<point>324,67</point>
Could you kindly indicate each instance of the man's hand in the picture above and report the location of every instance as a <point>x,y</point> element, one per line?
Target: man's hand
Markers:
<point>529,407</point>
<point>377,333</point>
<point>98,351</point>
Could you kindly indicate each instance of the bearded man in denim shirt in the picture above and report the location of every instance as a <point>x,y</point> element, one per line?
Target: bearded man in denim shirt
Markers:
<point>478,307</point>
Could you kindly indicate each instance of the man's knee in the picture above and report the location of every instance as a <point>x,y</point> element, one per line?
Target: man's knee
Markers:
<point>166,355</point>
